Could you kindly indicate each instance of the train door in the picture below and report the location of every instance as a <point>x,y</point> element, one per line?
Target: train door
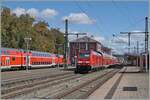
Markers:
<point>21,60</point>
<point>53,61</point>
<point>24,61</point>
<point>2,61</point>
<point>7,61</point>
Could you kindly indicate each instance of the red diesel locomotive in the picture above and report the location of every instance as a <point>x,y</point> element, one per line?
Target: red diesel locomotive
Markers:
<point>88,60</point>
<point>17,58</point>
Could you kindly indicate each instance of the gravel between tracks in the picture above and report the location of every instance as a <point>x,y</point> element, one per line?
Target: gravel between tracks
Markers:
<point>52,92</point>
<point>26,80</point>
<point>30,85</point>
<point>77,91</point>
<point>53,87</point>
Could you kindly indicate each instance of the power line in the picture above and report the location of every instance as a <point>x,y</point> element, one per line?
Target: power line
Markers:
<point>83,11</point>
<point>134,24</point>
<point>121,11</point>
<point>96,16</point>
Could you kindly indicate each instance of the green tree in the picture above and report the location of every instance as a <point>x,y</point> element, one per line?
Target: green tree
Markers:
<point>14,29</point>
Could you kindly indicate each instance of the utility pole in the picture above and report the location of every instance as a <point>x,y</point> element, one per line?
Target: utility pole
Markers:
<point>146,43</point>
<point>66,53</point>
<point>137,52</point>
<point>129,39</point>
<point>146,35</point>
<point>66,45</point>
<point>137,43</point>
<point>146,40</point>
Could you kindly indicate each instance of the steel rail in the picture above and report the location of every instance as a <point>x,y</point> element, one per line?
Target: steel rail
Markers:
<point>19,80</point>
<point>39,86</point>
<point>70,91</point>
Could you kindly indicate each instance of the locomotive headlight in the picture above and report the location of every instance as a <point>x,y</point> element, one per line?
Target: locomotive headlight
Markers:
<point>79,61</point>
<point>86,61</point>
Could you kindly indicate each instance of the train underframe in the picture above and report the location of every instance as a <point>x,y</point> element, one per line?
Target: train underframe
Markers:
<point>82,69</point>
<point>87,68</point>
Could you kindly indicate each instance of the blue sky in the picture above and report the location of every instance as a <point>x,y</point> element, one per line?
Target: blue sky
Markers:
<point>105,18</point>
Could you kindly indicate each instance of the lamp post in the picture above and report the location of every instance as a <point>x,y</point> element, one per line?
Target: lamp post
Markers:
<point>27,56</point>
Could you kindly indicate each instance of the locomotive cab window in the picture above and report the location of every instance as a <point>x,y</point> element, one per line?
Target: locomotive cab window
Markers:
<point>84,55</point>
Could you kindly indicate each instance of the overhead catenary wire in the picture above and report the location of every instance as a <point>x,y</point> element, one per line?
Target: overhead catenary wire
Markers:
<point>116,5</point>
<point>83,11</point>
<point>121,11</point>
<point>134,24</point>
<point>98,26</point>
<point>98,17</point>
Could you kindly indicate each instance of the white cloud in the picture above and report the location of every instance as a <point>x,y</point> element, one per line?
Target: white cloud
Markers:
<point>103,41</point>
<point>49,13</point>
<point>99,38</point>
<point>19,11</point>
<point>119,40</point>
<point>114,44</point>
<point>136,31</point>
<point>33,12</point>
<point>45,13</point>
<point>122,39</point>
<point>80,18</point>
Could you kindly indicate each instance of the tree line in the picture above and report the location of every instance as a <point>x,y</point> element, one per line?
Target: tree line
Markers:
<point>14,29</point>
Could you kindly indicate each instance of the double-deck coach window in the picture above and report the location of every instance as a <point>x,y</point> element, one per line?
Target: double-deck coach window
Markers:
<point>13,58</point>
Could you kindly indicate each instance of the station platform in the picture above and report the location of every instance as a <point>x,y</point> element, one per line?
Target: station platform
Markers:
<point>129,83</point>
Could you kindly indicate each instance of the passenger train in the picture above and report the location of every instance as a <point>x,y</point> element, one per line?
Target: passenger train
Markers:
<point>18,58</point>
<point>89,59</point>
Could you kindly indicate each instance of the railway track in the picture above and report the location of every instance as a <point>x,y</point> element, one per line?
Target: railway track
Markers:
<point>67,86</point>
<point>83,89</point>
<point>15,81</point>
<point>12,89</point>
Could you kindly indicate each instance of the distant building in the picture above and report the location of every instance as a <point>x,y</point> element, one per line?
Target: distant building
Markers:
<point>86,43</point>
